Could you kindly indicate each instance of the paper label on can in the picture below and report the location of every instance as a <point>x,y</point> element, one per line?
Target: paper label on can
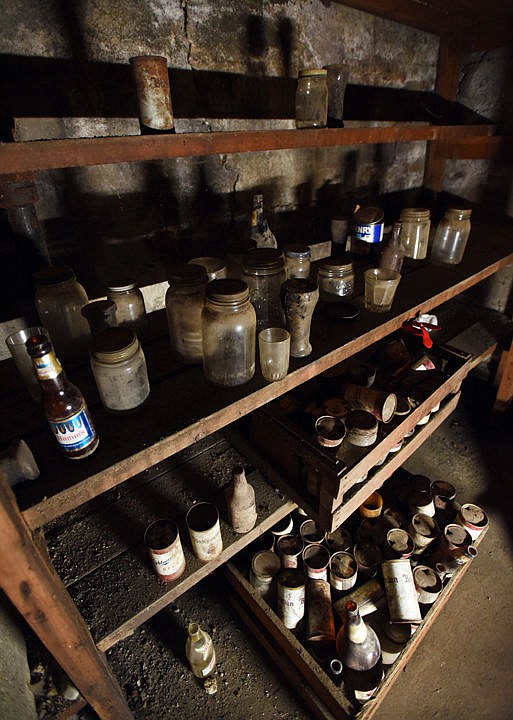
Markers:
<point>403,605</point>
<point>169,562</point>
<point>371,234</point>
<point>291,605</point>
<point>207,545</point>
<point>75,432</point>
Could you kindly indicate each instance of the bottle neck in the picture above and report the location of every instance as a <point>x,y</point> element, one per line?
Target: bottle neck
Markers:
<point>49,370</point>
<point>356,628</point>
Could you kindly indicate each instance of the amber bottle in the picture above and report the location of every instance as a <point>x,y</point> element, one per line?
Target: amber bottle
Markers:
<point>63,403</point>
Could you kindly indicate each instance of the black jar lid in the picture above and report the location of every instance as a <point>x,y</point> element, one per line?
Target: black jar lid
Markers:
<point>264,259</point>
<point>54,275</point>
<point>187,274</point>
<point>227,290</point>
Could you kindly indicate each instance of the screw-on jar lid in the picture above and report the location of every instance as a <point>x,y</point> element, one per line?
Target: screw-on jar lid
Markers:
<point>227,290</point>
<point>414,212</point>
<point>297,251</point>
<point>187,274</point>
<point>335,266</point>
<point>462,213</point>
<point>263,260</point>
<point>115,344</point>
<point>54,275</point>
<point>308,72</point>
<point>122,285</point>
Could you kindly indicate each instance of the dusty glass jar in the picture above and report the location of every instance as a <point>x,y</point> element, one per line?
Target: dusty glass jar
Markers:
<point>297,261</point>
<point>264,272</point>
<point>312,98</point>
<point>416,224</point>
<point>59,300</point>
<point>130,309</point>
<point>451,236</point>
<point>229,333</point>
<point>119,369</point>
<point>335,277</point>
<point>185,298</point>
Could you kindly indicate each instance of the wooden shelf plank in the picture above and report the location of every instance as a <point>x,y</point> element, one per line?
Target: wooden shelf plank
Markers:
<point>53,154</point>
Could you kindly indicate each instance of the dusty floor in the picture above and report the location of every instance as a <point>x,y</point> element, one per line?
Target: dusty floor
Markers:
<point>463,668</point>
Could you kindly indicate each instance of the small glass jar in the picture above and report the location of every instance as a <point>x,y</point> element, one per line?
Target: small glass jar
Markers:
<point>130,309</point>
<point>59,300</point>
<point>185,298</point>
<point>312,98</point>
<point>297,261</point>
<point>119,369</point>
<point>416,224</point>
<point>264,272</point>
<point>229,333</point>
<point>335,277</point>
<point>451,236</point>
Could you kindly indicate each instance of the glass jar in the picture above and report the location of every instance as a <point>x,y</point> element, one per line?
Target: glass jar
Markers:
<point>451,236</point>
<point>119,369</point>
<point>264,272</point>
<point>229,333</point>
<point>59,300</point>
<point>130,309</point>
<point>297,261</point>
<point>312,99</point>
<point>416,223</point>
<point>185,298</point>
<point>335,277</point>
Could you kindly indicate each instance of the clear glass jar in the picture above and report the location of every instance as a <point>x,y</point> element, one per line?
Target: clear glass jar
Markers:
<point>416,224</point>
<point>297,261</point>
<point>130,309</point>
<point>451,236</point>
<point>229,333</point>
<point>264,272</point>
<point>185,298</point>
<point>335,277</point>
<point>59,300</point>
<point>312,98</point>
<point>119,369</point>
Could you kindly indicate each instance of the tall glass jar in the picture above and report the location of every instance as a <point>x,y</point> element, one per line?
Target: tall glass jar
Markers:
<point>185,298</point>
<point>264,272</point>
<point>451,236</point>
<point>416,224</point>
<point>59,300</point>
<point>229,333</point>
<point>119,369</point>
<point>312,98</point>
<point>297,261</point>
<point>335,277</point>
<point>130,309</point>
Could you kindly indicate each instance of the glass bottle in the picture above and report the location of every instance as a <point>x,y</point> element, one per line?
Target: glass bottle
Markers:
<point>261,233</point>
<point>240,501</point>
<point>185,299</point>
<point>451,236</point>
<point>119,369</point>
<point>312,98</point>
<point>130,309</point>
<point>297,261</point>
<point>63,403</point>
<point>392,256</point>
<point>359,649</point>
<point>59,300</point>
<point>415,232</point>
<point>264,272</point>
<point>229,333</point>
<point>200,651</point>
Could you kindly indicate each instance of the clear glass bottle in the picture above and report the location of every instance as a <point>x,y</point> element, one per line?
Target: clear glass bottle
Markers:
<point>415,232</point>
<point>335,277</point>
<point>119,369</point>
<point>312,98</point>
<point>451,236</point>
<point>200,651</point>
<point>261,233</point>
<point>264,272</point>
<point>392,256</point>
<point>59,300</point>
<point>63,403</point>
<point>130,309</point>
<point>185,299</point>
<point>229,333</point>
<point>297,261</point>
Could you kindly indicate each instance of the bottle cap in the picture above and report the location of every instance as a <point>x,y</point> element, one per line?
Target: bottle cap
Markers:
<point>38,345</point>
<point>309,72</point>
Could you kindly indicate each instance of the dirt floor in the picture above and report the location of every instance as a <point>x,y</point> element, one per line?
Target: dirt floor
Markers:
<point>462,669</point>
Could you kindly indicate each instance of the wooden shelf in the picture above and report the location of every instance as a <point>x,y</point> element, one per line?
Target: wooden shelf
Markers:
<point>52,154</point>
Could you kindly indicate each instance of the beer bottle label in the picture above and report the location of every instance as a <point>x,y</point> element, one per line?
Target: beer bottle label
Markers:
<point>75,432</point>
<point>47,367</point>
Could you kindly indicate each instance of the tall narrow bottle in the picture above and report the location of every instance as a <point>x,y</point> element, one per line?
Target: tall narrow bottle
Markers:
<point>393,254</point>
<point>359,649</point>
<point>63,403</point>
<point>200,652</point>
<point>240,500</point>
<point>261,233</point>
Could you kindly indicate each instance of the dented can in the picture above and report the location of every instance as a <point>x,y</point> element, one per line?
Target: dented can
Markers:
<point>291,599</point>
<point>403,605</point>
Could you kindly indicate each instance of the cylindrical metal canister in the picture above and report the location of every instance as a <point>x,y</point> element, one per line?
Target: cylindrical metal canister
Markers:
<point>320,624</point>
<point>265,565</point>
<point>423,529</point>
<point>311,533</point>
<point>393,638</point>
<point>289,550</point>
<point>428,584</point>
<point>152,84</point>
<point>369,597</point>
<point>403,606</point>
<point>420,501</point>
<point>399,544</point>
<point>163,542</point>
<point>316,559</point>
<point>205,531</point>
<point>343,571</point>
<point>291,599</point>
<point>381,404</point>
<point>473,519</point>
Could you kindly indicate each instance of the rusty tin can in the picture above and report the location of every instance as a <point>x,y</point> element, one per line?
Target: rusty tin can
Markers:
<point>428,583</point>
<point>289,549</point>
<point>320,624</point>
<point>399,544</point>
<point>162,539</point>
<point>311,533</point>
<point>153,93</point>
<point>291,599</point>
<point>265,565</point>
<point>473,519</point>
<point>381,404</point>
<point>205,531</point>
<point>316,559</point>
<point>343,571</point>
<point>424,530</point>
<point>403,605</point>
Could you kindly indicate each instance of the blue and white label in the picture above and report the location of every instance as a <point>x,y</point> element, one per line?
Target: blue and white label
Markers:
<point>368,233</point>
<point>75,432</point>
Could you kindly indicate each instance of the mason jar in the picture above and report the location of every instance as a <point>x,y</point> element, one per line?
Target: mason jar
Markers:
<point>335,278</point>
<point>297,261</point>
<point>416,223</point>
<point>264,272</point>
<point>119,369</point>
<point>451,236</point>
<point>130,309</point>
<point>185,298</point>
<point>229,333</point>
<point>312,98</point>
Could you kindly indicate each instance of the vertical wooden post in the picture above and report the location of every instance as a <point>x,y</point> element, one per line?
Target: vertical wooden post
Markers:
<point>38,593</point>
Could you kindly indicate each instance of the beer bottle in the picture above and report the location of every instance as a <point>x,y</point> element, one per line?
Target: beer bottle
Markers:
<point>63,403</point>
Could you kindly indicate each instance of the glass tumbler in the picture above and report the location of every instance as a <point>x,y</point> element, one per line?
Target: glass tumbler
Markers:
<point>380,287</point>
<point>274,351</point>
<point>16,346</point>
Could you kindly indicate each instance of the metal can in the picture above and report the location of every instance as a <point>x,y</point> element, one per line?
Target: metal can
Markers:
<point>163,542</point>
<point>473,519</point>
<point>320,624</point>
<point>428,584</point>
<point>289,549</point>
<point>291,599</point>
<point>205,531</point>
<point>264,568</point>
<point>316,559</point>
<point>424,530</point>
<point>343,571</point>
<point>367,230</point>
<point>403,606</point>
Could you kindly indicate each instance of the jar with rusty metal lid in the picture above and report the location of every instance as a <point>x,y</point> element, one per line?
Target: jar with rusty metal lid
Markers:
<point>451,237</point>
<point>119,369</point>
<point>229,333</point>
<point>416,223</point>
<point>366,233</point>
<point>297,261</point>
<point>312,98</point>
<point>130,308</point>
<point>185,298</point>
<point>335,277</point>
<point>264,272</point>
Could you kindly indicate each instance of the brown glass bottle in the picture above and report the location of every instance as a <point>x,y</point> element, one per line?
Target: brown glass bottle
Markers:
<point>63,403</point>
